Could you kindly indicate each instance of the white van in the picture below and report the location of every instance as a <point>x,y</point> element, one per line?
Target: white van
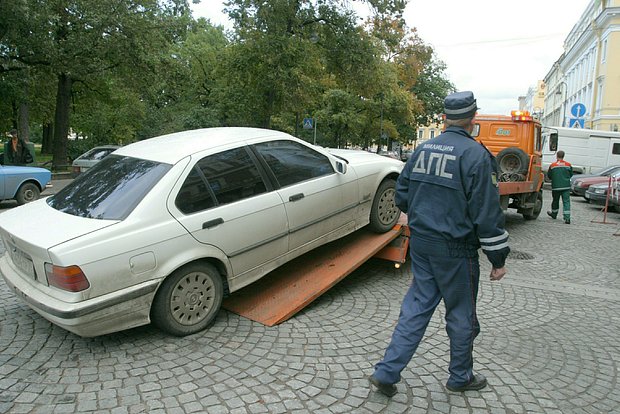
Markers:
<point>587,150</point>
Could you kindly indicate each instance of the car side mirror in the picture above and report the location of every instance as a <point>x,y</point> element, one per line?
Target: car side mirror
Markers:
<point>553,141</point>
<point>341,167</point>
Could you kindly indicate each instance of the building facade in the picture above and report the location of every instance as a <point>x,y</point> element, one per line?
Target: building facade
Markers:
<point>583,85</point>
<point>534,101</point>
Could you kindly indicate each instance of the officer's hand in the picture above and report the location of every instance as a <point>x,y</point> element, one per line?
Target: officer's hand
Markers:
<point>497,274</point>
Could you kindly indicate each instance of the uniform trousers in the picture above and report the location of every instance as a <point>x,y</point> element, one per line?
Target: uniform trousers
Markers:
<point>555,203</point>
<point>456,280</point>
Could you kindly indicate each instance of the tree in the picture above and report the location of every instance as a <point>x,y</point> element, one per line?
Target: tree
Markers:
<point>431,88</point>
<point>82,41</point>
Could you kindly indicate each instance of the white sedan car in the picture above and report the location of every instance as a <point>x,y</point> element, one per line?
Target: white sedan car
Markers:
<point>162,228</point>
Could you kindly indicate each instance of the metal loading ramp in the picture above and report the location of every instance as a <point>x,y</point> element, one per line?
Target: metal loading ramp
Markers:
<point>288,289</point>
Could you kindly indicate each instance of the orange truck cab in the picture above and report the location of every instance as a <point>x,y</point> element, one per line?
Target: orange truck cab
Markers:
<point>516,142</point>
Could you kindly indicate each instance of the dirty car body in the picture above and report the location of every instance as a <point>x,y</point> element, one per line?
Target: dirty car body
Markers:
<point>159,230</point>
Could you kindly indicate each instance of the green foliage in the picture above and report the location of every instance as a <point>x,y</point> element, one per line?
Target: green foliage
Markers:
<point>141,68</point>
<point>78,147</point>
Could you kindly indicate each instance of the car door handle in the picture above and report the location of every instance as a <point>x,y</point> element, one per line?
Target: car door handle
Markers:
<point>296,197</point>
<point>212,223</point>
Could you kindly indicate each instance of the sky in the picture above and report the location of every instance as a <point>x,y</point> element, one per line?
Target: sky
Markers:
<point>495,48</point>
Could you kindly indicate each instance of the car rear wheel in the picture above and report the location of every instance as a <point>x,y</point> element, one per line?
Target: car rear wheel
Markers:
<point>384,214</point>
<point>26,193</point>
<point>188,300</point>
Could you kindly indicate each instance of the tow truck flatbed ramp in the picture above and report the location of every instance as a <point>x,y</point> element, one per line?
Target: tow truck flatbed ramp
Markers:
<point>288,289</point>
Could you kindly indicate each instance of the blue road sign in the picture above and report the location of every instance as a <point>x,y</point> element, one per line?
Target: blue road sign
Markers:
<point>308,123</point>
<point>575,122</point>
<point>578,110</point>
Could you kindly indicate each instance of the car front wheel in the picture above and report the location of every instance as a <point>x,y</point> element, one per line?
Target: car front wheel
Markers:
<point>26,193</point>
<point>188,300</point>
<point>384,214</point>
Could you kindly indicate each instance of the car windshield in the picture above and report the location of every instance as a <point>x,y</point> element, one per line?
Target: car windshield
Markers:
<point>111,189</point>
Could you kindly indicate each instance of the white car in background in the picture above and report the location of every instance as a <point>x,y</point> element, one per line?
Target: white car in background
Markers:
<point>162,228</point>
<point>91,157</point>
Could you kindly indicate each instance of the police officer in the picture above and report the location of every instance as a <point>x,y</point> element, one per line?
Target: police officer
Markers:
<point>448,189</point>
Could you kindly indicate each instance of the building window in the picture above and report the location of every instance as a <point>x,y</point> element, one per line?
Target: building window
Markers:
<point>599,98</point>
<point>604,51</point>
<point>432,133</point>
<point>420,134</point>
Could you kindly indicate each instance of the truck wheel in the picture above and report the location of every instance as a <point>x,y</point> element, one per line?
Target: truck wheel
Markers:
<point>188,300</point>
<point>26,193</point>
<point>535,211</point>
<point>513,161</point>
<point>384,214</point>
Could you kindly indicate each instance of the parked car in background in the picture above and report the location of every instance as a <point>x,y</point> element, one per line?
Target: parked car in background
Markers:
<point>614,198</point>
<point>161,228</point>
<point>23,184</point>
<point>91,157</point>
<point>405,155</point>
<point>597,193</point>
<point>390,154</point>
<point>581,182</point>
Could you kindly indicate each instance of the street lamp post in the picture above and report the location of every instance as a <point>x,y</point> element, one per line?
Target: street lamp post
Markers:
<point>564,94</point>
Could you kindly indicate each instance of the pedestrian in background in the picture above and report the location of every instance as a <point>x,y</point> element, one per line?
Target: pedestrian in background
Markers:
<point>560,173</point>
<point>448,188</point>
<point>17,152</point>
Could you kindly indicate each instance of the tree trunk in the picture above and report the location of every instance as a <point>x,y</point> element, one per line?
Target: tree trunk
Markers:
<point>22,120</point>
<point>297,124</point>
<point>268,107</point>
<point>61,121</point>
<point>47,142</point>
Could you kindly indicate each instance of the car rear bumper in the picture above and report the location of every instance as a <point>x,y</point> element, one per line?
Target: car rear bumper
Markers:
<point>598,199</point>
<point>92,317</point>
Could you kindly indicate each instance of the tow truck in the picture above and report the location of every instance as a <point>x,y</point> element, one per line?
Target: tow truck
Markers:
<point>517,143</point>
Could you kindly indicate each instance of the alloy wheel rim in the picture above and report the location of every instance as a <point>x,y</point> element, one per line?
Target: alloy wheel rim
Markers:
<point>387,208</point>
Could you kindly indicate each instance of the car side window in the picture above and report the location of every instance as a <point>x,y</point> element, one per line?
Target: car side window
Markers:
<point>219,179</point>
<point>292,162</point>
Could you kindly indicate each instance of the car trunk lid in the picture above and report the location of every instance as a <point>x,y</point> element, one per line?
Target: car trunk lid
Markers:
<point>45,227</point>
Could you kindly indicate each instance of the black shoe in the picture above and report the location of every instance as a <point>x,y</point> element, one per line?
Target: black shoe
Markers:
<point>550,214</point>
<point>388,390</point>
<point>477,383</point>
<point>566,221</point>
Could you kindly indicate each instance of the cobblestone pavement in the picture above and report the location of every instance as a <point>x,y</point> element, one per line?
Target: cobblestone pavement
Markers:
<point>549,344</point>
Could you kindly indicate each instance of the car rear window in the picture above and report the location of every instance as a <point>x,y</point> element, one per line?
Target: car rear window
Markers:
<point>111,189</point>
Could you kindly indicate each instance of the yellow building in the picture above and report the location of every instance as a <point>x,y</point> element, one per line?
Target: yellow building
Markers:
<point>428,132</point>
<point>583,86</point>
<point>534,101</point>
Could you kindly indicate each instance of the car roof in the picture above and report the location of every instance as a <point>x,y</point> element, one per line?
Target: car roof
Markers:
<point>172,148</point>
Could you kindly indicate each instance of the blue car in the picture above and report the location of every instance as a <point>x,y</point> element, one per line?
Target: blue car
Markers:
<point>23,184</point>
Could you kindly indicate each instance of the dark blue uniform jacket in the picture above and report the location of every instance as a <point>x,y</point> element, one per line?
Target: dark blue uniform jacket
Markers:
<point>448,190</point>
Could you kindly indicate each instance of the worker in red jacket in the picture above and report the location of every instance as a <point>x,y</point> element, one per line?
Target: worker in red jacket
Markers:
<point>560,173</point>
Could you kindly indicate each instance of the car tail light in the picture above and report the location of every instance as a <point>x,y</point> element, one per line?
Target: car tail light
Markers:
<point>69,278</point>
